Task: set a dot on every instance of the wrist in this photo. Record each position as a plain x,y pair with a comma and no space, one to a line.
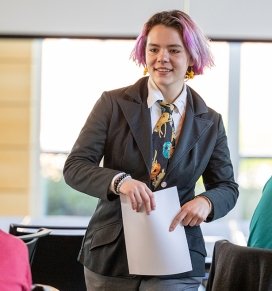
207,199
119,181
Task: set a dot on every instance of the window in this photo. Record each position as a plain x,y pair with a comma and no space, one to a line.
255,100
213,84
76,72
255,129
74,75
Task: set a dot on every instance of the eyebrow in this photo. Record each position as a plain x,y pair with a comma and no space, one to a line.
169,46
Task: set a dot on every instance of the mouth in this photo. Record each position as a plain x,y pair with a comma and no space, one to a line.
163,70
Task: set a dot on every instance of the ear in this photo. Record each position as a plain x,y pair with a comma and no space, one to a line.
191,63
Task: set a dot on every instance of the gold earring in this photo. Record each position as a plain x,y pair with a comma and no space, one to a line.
145,71
189,73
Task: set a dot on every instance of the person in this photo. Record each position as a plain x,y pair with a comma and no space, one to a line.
172,48
15,272
260,234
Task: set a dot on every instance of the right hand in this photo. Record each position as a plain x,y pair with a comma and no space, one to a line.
139,194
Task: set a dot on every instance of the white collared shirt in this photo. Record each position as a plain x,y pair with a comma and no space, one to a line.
154,94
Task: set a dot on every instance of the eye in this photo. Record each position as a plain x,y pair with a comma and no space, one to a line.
174,51
153,50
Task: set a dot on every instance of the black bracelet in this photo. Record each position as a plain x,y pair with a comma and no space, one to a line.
118,180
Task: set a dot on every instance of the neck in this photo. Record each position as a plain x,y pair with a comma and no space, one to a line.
170,94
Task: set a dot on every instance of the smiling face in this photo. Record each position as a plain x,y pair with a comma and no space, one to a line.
167,60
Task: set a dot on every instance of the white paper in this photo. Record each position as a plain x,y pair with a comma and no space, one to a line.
151,248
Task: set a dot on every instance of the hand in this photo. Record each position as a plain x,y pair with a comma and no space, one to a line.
140,195
192,213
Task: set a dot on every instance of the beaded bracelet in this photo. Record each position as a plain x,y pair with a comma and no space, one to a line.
119,181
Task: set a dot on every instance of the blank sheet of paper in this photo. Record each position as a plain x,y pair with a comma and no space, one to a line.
151,248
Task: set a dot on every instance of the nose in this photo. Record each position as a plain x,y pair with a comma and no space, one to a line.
163,56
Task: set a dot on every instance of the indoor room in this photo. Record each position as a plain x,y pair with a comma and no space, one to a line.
57,59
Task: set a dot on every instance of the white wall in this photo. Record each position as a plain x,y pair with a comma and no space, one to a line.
79,17
232,19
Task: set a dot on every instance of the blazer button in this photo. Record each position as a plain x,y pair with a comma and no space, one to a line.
163,184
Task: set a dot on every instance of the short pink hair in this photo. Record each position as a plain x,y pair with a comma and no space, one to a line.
195,42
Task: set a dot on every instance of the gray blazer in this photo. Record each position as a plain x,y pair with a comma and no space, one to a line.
119,130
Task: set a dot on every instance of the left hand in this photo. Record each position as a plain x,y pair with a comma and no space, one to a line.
192,213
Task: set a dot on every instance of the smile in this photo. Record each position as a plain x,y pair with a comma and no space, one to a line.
163,70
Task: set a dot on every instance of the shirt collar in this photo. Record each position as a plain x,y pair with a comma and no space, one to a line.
154,94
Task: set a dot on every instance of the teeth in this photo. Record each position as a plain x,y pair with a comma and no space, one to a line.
163,70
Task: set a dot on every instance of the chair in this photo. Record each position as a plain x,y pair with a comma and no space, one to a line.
55,259
31,240
239,268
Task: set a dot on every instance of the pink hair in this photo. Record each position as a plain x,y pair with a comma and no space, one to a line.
195,42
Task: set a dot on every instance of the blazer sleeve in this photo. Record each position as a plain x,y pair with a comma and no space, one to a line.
81,170
218,177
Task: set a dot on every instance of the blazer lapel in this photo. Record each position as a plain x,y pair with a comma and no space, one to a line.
138,117
193,127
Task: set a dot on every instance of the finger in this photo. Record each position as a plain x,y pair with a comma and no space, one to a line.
147,204
194,222
192,219
187,220
152,199
178,218
192,214
149,200
139,201
133,201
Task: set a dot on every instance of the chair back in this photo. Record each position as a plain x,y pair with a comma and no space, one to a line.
237,267
30,239
55,259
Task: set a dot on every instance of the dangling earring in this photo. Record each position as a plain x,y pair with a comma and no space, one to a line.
190,73
145,71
